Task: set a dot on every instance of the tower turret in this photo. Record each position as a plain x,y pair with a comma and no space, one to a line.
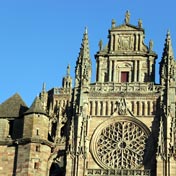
67,80
34,148
36,121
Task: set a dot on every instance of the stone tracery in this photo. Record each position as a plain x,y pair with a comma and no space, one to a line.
120,145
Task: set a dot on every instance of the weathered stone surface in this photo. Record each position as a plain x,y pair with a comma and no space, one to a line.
122,124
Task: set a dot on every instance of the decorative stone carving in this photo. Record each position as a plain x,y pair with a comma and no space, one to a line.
100,44
140,23
115,172
125,42
121,107
119,143
150,45
127,17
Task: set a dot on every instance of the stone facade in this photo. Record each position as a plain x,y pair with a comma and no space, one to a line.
122,124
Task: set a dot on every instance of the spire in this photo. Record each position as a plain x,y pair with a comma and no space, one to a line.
36,107
85,44
167,63
44,87
168,45
83,64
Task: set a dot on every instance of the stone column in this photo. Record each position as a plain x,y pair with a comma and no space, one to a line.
93,107
107,107
113,74
98,70
139,71
145,108
151,108
135,108
140,108
136,42
159,166
135,70
112,40
140,42
112,107
110,70
104,108
98,108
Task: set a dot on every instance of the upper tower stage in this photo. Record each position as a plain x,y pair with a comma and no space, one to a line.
126,58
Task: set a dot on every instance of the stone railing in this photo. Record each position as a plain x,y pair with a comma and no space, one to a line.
125,87
57,91
113,172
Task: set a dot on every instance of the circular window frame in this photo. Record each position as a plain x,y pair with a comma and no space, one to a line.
106,123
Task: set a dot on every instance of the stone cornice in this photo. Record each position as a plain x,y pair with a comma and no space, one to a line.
124,89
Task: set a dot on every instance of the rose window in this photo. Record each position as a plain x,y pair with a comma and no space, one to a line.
120,143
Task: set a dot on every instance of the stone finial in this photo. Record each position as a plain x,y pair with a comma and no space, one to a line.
140,23
100,44
68,70
113,24
168,34
44,87
86,30
150,45
127,17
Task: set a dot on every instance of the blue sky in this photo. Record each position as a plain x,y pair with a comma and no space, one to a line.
39,38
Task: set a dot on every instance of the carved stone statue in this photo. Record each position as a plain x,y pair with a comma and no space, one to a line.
113,23
127,17
100,44
121,106
140,23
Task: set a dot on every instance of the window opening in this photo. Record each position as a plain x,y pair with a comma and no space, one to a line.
124,76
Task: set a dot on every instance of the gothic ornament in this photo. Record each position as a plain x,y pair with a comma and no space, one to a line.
119,143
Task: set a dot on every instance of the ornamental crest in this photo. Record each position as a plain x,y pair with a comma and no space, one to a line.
125,42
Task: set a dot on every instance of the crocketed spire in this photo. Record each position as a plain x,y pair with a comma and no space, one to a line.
83,64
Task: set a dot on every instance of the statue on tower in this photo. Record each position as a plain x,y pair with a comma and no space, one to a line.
127,17
100,44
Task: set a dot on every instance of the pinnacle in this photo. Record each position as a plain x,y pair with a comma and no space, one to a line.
168,45
85,44
86,30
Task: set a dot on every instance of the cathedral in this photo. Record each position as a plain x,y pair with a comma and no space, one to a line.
123,124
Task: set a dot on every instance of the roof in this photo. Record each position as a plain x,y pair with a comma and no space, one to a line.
13,107
36,107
